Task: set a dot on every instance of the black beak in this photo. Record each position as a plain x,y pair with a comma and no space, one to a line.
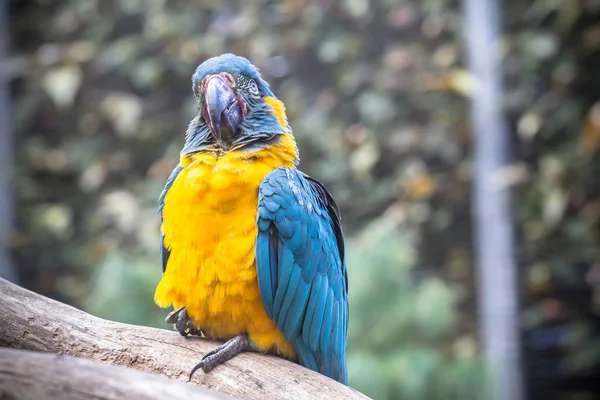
223,111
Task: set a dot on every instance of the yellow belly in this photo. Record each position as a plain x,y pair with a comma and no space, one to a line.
210,228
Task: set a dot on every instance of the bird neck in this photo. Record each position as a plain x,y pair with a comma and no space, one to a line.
283,152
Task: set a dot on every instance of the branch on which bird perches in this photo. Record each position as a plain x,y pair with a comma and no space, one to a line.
32,375
33,322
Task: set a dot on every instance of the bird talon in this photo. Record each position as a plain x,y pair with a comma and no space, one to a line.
222,353
173,315
213,352
182,323
181,320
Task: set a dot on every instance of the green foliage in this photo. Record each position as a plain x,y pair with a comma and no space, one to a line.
123,289
400,330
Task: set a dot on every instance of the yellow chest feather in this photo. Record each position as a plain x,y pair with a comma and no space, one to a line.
209,224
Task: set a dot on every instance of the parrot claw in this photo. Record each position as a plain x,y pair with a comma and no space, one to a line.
222,353
172,316
182,322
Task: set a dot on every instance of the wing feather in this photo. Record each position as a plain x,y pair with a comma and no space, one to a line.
301,268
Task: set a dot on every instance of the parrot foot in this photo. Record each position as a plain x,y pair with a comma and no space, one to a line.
182,322
222,353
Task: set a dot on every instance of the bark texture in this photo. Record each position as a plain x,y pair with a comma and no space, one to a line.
28,375
33,322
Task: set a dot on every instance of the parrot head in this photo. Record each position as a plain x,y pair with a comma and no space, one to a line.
236,108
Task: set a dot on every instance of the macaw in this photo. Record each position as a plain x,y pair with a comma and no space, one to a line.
252,249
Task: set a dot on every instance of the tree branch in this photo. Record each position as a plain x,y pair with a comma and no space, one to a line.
33,322
30,375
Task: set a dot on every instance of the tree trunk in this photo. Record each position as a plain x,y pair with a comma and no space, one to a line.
496,266
33,322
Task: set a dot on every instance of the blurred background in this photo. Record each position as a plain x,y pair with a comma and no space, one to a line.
378,95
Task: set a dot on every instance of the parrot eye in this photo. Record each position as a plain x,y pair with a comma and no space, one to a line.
253,86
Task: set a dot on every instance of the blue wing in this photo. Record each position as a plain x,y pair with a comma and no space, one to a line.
301,268
164,252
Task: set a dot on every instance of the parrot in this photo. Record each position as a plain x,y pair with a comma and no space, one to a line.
252,249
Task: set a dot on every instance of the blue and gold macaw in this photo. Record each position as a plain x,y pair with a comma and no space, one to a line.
251,248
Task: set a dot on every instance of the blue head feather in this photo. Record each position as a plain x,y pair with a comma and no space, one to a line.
234,65
260,128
